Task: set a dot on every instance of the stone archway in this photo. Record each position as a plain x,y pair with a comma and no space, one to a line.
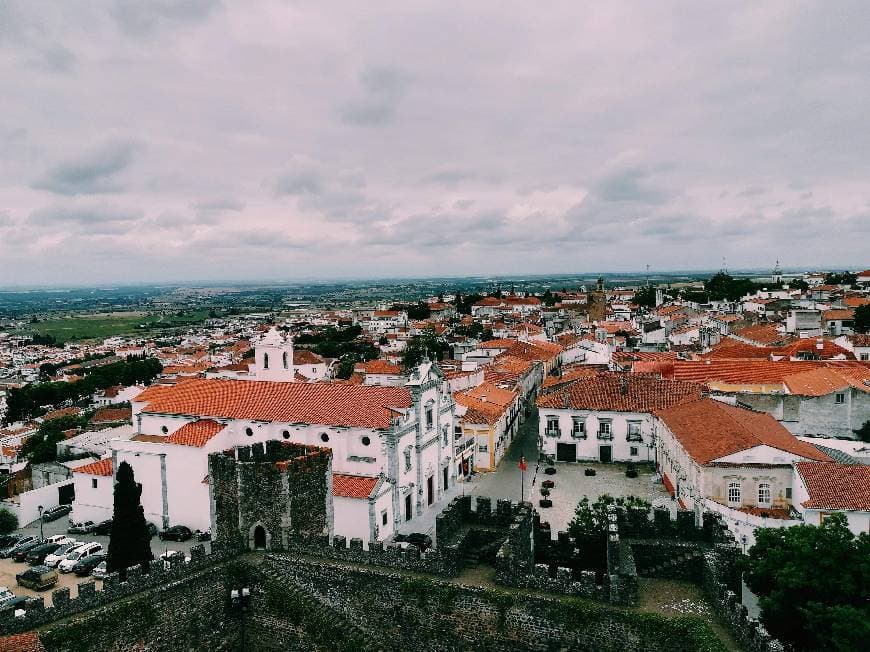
259,537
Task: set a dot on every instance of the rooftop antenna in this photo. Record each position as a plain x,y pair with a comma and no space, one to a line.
647,274
724,266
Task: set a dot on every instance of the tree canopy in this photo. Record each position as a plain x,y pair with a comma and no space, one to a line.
42,445
813,585
428,344
862,319
842,278
645,296
337,342
129,540
724,286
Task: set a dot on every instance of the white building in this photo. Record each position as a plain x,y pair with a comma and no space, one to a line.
395,437
822,489
607,417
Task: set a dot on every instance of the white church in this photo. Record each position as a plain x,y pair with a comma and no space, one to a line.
392,446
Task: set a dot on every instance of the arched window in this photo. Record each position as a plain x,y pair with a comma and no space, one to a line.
764,494
249,432
265,361
284,356
733,493
285,434
324,437
164,429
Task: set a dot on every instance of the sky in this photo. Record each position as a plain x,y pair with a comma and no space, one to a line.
175,140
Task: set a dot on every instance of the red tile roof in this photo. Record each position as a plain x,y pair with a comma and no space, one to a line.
709,429
316,403
27,642
379,367
100,467
304,356
762,333
352,486
810,346
836,486
110,415
196,433
621,392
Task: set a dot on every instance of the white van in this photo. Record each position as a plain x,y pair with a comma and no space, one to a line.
60,554
60,539
81,552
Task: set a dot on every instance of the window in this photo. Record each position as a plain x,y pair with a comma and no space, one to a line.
865,356
634,431
265,361
764,494
605,430
284,356
324,437
552,426
249,432
840,398
384,517
733,493
444,430
366,441
285,434
632,450
788,493
578,427
408,459
93,483
164,430
429,417
457,432
483,448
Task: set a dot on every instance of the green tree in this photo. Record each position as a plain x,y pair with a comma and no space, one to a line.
41,446
345,366
844,278
724,286
8,521
428,344
864,432
862,319
129,540
645,296
813,584
588,528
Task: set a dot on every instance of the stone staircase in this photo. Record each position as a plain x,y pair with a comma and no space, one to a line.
673,567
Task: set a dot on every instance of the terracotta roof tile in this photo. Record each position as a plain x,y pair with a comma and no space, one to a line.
352,486
621,392
196,433
836,486
710,429
27,642
100,467
317,403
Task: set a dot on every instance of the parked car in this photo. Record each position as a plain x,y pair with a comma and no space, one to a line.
202,535
54,558
13,604
55,513
37,578
418,539
100,570
74,556
7,540
5,594
37,555
172,555
176,533
22,551
104,528
86,565
85,527
60,539
12,548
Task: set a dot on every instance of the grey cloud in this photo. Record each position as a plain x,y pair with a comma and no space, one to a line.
631,184
84,215
142,18
95,172
751,191
377,102
220,204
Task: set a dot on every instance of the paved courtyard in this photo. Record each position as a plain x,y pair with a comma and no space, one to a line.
570,484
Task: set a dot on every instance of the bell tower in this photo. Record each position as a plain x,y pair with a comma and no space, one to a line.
273,356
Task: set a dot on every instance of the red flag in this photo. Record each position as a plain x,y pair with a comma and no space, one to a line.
523,465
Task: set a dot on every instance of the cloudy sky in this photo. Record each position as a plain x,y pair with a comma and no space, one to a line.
250,139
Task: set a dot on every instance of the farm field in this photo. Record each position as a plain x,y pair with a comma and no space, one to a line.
85,327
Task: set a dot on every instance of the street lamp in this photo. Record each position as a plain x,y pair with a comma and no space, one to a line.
240,601
39,507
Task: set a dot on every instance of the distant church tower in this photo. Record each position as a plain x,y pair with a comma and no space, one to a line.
777,274
273,356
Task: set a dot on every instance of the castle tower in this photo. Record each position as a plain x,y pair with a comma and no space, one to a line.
777,274
273,356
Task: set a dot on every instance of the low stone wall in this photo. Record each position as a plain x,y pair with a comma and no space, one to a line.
63,606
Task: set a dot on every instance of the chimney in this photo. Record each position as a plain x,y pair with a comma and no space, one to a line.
820,344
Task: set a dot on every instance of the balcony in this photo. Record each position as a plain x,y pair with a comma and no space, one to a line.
607,436
578,434
553,432
634,437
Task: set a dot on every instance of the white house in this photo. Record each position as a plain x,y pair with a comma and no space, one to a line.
824,488
607,417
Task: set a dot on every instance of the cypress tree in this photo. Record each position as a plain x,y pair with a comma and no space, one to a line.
129,540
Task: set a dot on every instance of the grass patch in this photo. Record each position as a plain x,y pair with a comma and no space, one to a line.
86,327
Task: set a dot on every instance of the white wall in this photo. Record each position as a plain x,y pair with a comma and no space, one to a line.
92,504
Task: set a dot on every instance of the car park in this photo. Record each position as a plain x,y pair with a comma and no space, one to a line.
37,578
22,551
171,555
176,533
12,548
57,556
55,513
60,539
67,563
7,540
104,528
85,527
86,565
37,555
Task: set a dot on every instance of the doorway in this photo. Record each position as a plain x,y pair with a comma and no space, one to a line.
259,538
430,490
605,453
444,471
66,494
566,452
408,507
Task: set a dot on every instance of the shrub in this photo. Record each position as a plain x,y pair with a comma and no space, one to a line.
8,521
545,491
